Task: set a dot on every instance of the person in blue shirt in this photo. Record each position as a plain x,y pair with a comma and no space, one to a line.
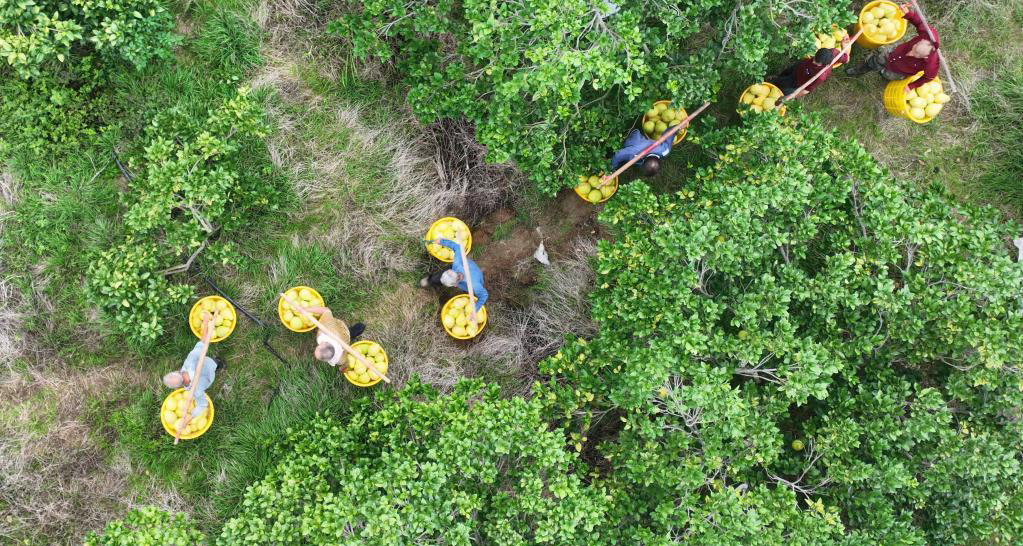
636,143
455,277
186,375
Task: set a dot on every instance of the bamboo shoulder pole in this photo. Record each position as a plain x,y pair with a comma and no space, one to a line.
348,348
190,395
821,72
468,285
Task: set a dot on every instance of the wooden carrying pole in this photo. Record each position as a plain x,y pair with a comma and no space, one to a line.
358,356
930,36
190,395
821,72
670,133
468,284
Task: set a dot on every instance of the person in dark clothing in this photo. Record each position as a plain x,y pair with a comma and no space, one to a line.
798,74
917,55
635,143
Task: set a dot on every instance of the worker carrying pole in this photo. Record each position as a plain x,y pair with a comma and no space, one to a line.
198,373
650,161
919,54
801,78
462,269
329,330
640,155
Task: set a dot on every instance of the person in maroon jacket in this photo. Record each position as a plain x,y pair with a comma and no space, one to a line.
796,75
916,55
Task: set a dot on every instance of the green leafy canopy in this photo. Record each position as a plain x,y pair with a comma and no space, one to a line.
417,467
190,188
550,83
791,291
38,35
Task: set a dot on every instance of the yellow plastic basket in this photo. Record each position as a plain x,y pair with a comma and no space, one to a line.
681,132
873,42
895,98
429,236
350,376
614,189
280,309
745,107
169,427
197,310
838,34
481,316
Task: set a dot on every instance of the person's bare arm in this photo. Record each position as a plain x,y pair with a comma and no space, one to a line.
207,330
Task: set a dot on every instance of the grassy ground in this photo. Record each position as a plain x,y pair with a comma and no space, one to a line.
366,184
78,424
974,148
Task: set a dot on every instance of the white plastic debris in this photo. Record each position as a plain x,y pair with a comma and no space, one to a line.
1017,242
541,255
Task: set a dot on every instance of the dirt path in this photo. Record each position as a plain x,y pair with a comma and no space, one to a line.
507,243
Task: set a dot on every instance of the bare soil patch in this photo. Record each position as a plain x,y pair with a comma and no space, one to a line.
507,258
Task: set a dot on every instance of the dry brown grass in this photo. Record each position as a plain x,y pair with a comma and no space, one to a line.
407,322
375,222
55,480
373,191
12,341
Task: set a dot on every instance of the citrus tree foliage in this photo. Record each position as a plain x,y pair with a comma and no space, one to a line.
191,186
147,526
792,291
37,34
551,84
415,467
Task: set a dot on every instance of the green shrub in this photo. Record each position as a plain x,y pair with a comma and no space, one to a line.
416,467
54,114
37,35
191,186
147,526
550,84
793,291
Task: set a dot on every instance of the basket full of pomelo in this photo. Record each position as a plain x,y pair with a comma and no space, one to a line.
455,318
452,229
589,188
290,317
919,105
358,373
224,323
660,117
173,409
762,97
882,23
